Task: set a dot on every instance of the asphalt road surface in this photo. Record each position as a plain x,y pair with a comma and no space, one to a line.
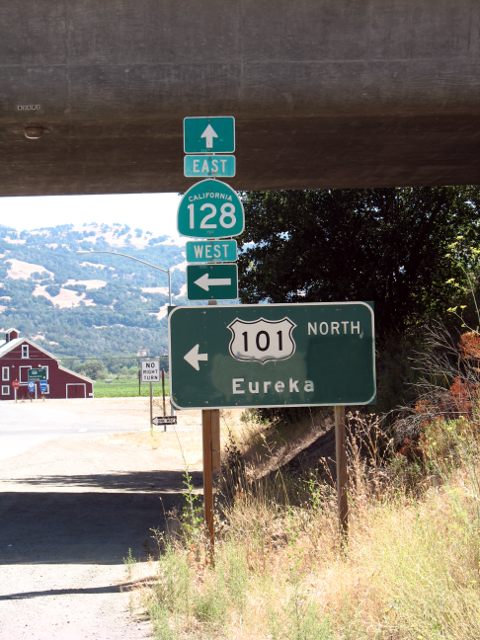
82,482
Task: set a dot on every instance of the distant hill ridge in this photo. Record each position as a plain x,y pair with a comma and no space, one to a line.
85,306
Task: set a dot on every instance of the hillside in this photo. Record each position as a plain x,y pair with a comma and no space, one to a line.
86,306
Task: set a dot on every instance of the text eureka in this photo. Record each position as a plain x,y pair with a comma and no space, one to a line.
240,386
334,328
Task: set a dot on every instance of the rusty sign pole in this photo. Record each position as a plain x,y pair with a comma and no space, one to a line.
208,504
215,441
342,473
211,464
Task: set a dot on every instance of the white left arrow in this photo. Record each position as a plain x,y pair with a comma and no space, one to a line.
209,134
194,357
205,282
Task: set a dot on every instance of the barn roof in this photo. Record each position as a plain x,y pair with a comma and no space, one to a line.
9,346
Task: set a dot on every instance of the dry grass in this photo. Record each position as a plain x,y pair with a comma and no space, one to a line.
411,570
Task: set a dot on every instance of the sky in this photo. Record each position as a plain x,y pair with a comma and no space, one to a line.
155,212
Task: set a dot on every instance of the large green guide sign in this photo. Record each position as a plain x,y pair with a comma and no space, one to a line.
275,355
37,373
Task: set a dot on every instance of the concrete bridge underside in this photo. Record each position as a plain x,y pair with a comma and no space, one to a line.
326,93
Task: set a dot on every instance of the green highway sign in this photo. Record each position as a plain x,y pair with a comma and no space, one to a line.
37,373
211,251
209,134
212,282
210,209
276,355
209,166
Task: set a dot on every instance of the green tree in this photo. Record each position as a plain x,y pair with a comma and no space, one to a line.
390,246
94,369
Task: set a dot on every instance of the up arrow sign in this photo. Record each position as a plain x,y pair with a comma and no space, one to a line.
209,134
194,357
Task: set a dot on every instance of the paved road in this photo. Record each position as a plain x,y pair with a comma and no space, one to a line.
26,424
81,483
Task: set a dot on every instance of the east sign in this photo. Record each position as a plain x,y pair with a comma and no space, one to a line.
210,209
272,355
209,166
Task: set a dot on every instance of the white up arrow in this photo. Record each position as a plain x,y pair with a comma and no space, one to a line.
194,357
209,134
205,282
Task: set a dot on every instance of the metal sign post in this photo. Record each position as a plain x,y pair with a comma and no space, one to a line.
163,394
15,385
151,405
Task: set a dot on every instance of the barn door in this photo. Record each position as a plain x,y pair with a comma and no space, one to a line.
76,390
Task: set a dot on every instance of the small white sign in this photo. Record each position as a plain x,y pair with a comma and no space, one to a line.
262,340
150,370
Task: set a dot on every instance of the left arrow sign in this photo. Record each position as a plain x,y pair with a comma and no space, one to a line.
212,281
194,357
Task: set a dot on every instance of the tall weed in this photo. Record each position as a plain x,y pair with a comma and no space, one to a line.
411,570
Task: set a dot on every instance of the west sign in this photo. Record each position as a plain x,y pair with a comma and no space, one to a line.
277,355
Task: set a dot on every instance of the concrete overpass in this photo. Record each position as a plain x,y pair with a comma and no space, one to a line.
337,93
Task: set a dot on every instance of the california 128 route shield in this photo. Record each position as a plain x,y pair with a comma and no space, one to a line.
210,209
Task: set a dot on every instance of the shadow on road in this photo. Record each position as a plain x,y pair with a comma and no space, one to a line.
125,586
149,481
88,527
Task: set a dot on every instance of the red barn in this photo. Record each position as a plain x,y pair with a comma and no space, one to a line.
18,356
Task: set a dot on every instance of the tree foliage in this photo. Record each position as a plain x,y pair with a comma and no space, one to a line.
390,246
408,250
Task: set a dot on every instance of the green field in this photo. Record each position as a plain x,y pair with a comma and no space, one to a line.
127,388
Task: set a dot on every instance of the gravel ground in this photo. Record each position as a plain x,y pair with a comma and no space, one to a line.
73,502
